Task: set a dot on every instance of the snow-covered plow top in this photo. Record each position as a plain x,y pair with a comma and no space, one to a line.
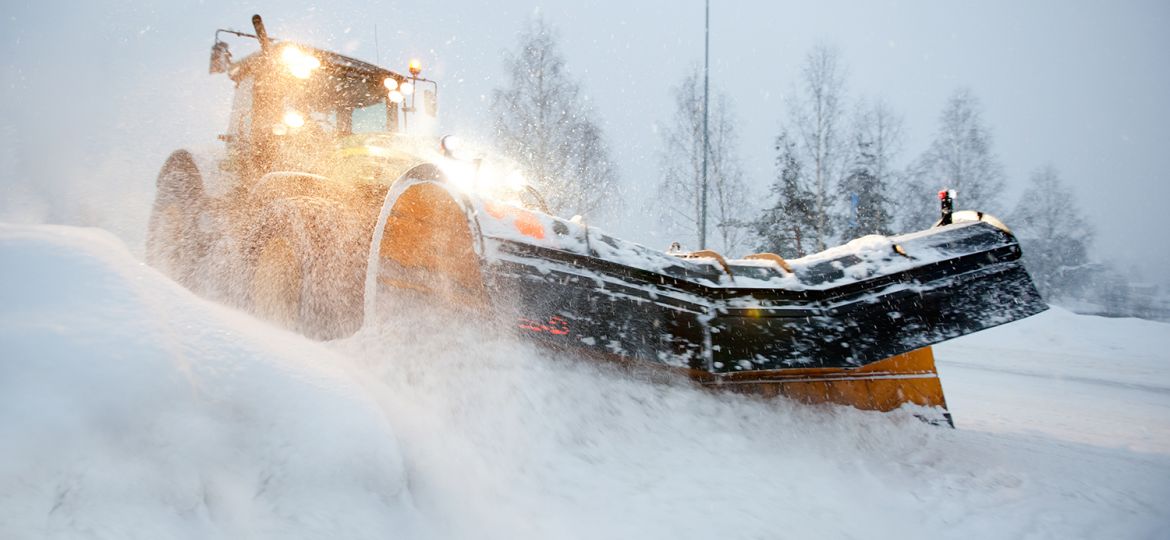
861,259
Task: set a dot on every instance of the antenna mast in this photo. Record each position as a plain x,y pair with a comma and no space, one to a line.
706,67
377,49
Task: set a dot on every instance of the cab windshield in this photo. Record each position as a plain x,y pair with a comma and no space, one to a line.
340,106
370,119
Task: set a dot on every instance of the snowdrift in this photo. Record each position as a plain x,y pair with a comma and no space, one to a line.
130,408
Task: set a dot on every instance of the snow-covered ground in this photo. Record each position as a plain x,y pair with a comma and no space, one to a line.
129,408
1093,380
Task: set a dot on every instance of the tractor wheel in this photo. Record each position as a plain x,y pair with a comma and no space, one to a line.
307,267
173,242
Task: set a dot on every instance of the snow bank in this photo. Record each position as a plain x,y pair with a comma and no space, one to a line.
129,408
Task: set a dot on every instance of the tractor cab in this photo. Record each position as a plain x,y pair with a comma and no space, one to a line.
298,108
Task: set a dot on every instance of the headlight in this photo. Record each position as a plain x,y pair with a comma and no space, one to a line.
406,88
293,119
299,63
390,83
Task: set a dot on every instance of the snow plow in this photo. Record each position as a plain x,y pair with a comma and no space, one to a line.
325,208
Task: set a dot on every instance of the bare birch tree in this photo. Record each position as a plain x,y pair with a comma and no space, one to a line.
816,119
543,121
959,158
680,190
1054,234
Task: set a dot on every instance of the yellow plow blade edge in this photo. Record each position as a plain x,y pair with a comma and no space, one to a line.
880,386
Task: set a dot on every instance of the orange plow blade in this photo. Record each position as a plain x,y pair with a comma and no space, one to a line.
880,386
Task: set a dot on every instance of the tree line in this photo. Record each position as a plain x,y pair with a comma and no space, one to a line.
839,168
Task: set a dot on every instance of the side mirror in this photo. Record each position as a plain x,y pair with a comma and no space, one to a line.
221,58
430,103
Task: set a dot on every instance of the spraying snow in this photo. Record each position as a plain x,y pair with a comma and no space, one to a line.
131,408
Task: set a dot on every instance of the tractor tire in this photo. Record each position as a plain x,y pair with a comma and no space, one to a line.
174,243
308,266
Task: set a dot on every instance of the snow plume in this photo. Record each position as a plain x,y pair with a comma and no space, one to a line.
91,158
520,444
130,408
21,203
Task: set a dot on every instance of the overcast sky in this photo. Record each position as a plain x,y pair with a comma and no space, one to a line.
96,96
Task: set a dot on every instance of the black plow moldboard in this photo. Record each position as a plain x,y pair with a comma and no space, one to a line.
968,278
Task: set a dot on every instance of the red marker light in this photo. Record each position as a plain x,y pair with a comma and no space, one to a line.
942,194
556,326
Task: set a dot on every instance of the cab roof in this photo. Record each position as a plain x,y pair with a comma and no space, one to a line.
361,82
